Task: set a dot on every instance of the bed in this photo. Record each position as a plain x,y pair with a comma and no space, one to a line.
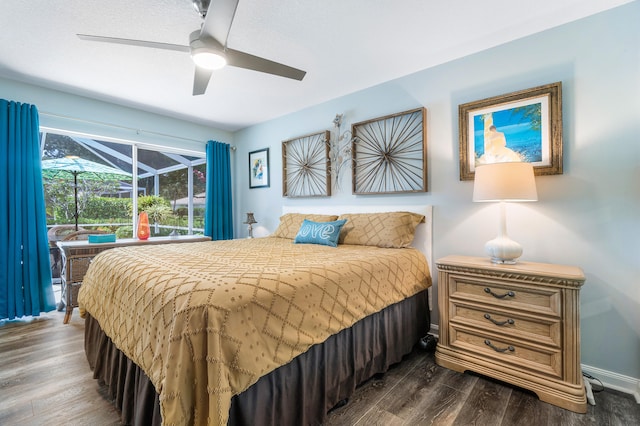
260,331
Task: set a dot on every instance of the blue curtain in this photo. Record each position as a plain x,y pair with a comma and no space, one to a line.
25,270
218,219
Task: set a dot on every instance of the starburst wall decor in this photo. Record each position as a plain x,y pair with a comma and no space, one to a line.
389,154
305,166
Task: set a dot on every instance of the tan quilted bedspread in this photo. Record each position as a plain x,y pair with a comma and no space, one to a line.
206,320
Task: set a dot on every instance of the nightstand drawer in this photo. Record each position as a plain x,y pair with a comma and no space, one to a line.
505,295
502,350
537,330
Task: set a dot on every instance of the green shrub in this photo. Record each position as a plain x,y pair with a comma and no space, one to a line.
148,201
124,232
158,213
104,208
182,212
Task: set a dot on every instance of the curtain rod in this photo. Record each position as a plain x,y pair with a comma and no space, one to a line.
115,126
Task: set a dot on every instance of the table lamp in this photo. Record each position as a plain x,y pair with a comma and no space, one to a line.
504,182
250,221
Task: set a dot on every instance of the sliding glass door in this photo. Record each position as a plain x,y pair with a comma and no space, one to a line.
106,184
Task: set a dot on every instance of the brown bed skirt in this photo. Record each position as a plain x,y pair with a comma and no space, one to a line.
298,393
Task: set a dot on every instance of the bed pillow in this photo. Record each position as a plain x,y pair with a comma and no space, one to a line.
290,223
392,229
323,233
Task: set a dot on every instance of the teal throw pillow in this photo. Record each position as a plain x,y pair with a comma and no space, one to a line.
323,233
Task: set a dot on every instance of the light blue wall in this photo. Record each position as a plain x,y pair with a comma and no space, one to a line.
61,110
589,216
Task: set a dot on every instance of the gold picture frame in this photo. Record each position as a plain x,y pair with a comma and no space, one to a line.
305,166
389,154
519,126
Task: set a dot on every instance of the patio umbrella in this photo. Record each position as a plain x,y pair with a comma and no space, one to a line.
61,168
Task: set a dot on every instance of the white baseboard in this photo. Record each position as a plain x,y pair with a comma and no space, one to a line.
435,330
615,381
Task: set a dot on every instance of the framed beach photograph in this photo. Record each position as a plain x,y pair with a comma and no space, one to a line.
519,126
259,168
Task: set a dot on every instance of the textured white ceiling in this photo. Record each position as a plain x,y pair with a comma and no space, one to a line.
344,45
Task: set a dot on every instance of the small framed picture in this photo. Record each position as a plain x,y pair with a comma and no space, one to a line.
520,126
259,168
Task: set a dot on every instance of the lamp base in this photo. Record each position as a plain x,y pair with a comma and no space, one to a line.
498,261
503,250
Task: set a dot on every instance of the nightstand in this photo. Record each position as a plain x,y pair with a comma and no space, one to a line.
516,323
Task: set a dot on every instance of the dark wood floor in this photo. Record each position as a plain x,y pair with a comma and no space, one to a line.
45,380
419,392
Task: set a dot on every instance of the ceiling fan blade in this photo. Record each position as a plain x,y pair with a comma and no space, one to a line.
201,81
131,42
218,21
239,59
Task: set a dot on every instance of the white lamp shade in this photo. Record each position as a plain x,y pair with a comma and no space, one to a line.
505,182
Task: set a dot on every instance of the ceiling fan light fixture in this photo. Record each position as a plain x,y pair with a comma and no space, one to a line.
208,59
206,53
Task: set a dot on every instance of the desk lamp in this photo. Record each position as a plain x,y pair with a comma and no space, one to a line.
250,221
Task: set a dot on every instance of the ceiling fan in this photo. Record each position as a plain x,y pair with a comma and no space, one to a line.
208,46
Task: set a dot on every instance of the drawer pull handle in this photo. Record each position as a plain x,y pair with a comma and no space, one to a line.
499,296
501,323
491,345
